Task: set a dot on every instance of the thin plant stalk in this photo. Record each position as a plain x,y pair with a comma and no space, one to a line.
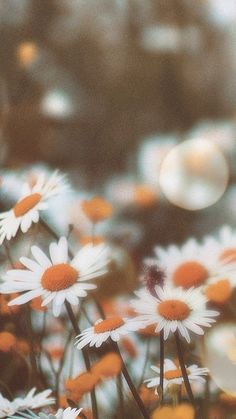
120,389
183,369
161,365
131,385
85,356
148,346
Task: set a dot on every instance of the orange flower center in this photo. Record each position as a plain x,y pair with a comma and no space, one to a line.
190,274
26,204
228,255
170,375
220,292
108,325
173,310
59,277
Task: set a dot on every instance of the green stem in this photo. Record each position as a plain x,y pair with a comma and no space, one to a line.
85,356
131,384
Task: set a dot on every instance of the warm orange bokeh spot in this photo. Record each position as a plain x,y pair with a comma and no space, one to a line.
5,309
220,292
81,385
27,52
148,331
108,366
228,399
36,304
90,239
22,346
144,196
129,347
7,341
97,209
182,411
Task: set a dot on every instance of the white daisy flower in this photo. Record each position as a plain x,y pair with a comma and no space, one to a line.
224,245
173,375
56,279
193,265
174,309
30,401
114,327
67,413
33,200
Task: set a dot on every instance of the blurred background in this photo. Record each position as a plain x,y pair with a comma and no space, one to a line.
135,99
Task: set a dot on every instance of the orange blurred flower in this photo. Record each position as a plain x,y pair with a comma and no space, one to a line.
7,341
148,331
55,352
228,399
81,385
22,347
147,395
97,209
63,401
36,304
90,239
27,53
4,307
182,411
144,195
129,347
108,366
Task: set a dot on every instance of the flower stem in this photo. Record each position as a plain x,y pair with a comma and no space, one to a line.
148,345
85,356
161,365
183,369
131,384
119,384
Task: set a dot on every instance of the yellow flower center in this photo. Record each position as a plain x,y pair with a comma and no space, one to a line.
26,204
59,277
108,325
228,255
173,310
220,292
172,374
190,274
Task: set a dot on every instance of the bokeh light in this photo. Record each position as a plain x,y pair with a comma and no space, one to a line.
194,175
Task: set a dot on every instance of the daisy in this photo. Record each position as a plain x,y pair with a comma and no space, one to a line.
174,309
31,401
225,244
193,265
56,279
173,375
112,327
33,200
67,413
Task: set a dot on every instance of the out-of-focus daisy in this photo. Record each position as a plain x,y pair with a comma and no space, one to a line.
68,413
113,327
226,244
97,209
56,278
33,200
173,375
174,309
31,401
108,366
193,265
